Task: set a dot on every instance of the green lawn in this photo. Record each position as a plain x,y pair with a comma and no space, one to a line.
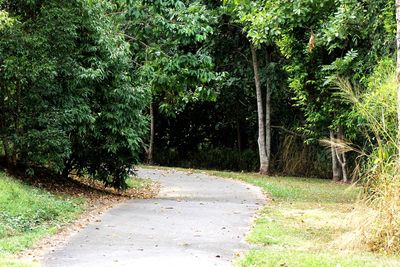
27,214
307,222
138,183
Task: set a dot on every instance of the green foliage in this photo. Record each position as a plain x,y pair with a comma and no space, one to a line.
324,40
67,90
321,40
229,123
5,20
375,113
171,59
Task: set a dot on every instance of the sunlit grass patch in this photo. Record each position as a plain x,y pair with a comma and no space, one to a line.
289,258
27,214
299,189
306,222
305,228
138,183
10,262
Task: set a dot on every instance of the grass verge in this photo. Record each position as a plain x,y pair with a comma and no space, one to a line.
307,222
31,214
27,214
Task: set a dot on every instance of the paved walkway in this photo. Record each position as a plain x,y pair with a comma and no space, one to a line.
197,220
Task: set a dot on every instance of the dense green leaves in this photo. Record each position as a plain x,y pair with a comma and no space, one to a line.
77,76
321,40
168,44
67,91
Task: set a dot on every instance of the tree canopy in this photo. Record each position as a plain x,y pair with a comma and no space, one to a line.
82,81
68,100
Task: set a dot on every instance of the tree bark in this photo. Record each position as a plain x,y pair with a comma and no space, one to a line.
6,149
67,169
398,76
336,175
239,135
150,152
344,168
268,114
260,112
342,157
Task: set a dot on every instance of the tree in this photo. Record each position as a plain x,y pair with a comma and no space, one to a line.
320,41
168,44
67,90
264,155
238,8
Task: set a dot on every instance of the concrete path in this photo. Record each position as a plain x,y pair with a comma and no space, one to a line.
197,220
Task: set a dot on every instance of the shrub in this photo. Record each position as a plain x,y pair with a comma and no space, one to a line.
375,114
68,100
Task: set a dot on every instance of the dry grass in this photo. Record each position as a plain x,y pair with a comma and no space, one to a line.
297,158
379,170
382,228
307,222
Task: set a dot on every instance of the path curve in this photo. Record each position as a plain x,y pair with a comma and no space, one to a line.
196,220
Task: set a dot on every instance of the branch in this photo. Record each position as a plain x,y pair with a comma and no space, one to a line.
135,39
289,131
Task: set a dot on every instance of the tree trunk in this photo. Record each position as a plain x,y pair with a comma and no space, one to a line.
151,142
339,160
6,149
67,169
398,75
239,135
268,114
344,168
260,112
342,157
336,176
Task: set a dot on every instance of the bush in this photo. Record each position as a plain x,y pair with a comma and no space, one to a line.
375,113
68,100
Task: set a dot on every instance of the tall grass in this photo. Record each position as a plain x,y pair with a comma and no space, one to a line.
295,158
374,111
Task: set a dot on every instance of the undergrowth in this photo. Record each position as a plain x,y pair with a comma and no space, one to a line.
375,112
